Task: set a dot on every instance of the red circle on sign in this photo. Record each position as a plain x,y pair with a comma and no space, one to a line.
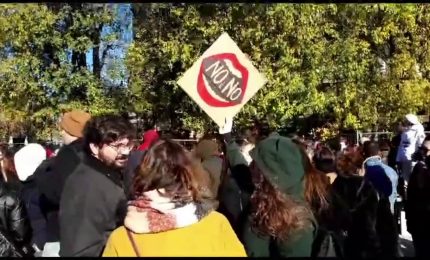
202,88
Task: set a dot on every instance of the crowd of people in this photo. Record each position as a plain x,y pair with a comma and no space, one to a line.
248,193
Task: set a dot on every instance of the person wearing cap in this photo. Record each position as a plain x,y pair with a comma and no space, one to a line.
56,171
277,222
412,138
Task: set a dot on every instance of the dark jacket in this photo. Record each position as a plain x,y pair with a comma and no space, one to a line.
359,219
234,194
51,179
31,197
14,223
417,206
392,154
134,161
66,161
92,205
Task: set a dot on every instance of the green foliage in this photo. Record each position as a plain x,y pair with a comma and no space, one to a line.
319,60
38,81
339,65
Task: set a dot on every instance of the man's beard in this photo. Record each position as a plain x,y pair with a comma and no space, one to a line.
121,157
114,163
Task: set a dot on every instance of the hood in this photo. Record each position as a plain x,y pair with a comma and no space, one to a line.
28,159
149,137
281,162
413,119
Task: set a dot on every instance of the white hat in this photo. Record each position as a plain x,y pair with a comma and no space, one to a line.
413,119
27,159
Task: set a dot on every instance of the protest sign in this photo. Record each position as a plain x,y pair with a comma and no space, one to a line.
222,80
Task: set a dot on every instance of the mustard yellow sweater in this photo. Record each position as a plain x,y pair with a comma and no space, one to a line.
212,236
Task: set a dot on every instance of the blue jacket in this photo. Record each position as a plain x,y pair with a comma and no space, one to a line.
383,177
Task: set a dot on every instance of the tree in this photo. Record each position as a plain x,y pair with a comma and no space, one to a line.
356,66
43,64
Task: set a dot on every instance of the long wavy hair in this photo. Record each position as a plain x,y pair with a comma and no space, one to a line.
167,165
272,212
316,182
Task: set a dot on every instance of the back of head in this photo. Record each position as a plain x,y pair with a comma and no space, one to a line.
206,148
350,164
325,160
167,165
260,129
278,177
281,161
370,148
27,159
73,123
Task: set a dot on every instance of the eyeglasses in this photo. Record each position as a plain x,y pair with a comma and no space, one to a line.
124,148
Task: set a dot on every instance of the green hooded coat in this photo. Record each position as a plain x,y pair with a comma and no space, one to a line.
281,162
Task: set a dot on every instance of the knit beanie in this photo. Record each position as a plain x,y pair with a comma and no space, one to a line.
27,159
74,122
281,162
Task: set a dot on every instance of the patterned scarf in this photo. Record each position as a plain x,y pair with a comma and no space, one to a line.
154,213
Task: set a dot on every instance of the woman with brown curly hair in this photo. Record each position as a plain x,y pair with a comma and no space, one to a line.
169,215
279,222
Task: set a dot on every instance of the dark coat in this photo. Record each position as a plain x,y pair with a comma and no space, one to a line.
31,197
417,205
51,177
359,220
134,161
392,154
93,204
14,223
234,194
66,161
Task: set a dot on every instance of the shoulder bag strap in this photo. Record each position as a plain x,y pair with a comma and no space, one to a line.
133,243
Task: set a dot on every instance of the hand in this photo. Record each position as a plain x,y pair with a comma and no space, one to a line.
228,125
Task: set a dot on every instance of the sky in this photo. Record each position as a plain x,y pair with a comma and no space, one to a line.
125,18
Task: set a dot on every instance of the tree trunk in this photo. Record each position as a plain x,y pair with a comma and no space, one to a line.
97,62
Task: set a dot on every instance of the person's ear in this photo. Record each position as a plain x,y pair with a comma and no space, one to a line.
95,149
